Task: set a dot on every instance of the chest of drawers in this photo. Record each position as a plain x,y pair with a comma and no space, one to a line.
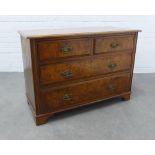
68,68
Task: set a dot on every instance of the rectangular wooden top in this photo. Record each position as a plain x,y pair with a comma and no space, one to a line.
42,33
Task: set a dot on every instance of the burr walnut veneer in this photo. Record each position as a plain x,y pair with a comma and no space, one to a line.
68,68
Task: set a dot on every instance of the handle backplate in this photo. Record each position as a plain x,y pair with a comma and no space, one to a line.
112,66
114,45
111,88
66,50
67,97
67,74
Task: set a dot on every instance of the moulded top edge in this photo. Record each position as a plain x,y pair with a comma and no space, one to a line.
41,33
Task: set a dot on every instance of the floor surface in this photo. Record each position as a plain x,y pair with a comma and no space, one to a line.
112,119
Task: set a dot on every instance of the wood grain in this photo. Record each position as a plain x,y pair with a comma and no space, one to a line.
93,69
28,73
115,43
55,73
85,92
74,47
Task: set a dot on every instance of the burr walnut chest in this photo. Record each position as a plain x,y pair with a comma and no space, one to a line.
68,68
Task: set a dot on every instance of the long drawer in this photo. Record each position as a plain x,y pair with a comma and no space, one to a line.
80,93
71,70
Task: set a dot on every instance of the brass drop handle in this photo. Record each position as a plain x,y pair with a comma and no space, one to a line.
67,74
66,50
111,88
112,65
67,97
114,45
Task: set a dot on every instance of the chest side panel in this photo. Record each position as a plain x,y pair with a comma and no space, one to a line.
28,73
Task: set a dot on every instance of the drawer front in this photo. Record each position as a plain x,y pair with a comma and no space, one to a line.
72,70
108,44
64,48
85,92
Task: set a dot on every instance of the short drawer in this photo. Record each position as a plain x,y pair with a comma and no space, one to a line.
72,70
89,91
64,48
115,43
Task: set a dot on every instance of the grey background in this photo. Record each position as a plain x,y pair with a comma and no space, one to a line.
111,119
